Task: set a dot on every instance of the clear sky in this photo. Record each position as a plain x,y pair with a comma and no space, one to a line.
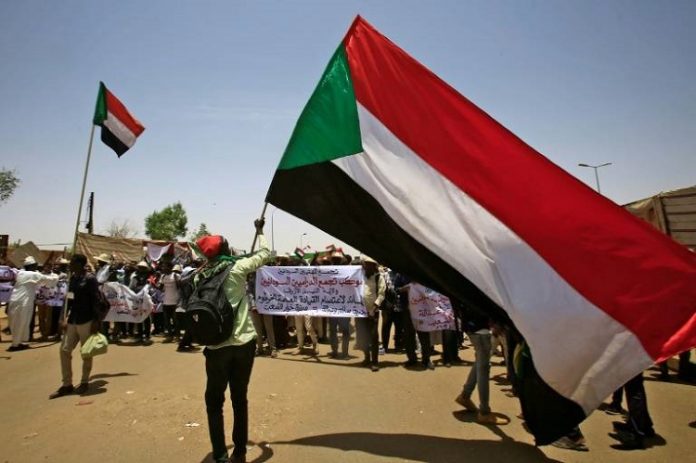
220,84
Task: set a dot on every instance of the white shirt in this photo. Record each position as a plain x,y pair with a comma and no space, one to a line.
171,292
25,286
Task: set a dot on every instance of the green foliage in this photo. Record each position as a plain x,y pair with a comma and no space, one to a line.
8,184
200,233
167,224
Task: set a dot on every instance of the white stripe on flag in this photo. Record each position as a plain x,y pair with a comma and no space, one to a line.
119,130
156,251
578,349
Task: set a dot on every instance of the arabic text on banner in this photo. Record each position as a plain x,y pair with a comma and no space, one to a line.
430,310
324,291
126,306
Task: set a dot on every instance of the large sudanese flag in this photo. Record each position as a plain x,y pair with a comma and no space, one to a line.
119,129
393,161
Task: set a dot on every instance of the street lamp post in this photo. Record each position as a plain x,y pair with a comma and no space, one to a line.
595,172
303,234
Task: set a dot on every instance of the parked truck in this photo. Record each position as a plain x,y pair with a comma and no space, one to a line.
671,212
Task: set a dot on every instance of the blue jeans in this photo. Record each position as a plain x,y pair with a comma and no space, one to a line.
480,371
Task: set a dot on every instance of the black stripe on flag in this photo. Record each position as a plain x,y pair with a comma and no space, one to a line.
112,141
324,196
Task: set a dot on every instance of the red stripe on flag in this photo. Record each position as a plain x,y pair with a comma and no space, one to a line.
622,265
115,107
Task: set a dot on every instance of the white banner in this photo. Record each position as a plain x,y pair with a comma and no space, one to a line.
156,251
56,297
5,292
430,310
324,291
126,306
7,275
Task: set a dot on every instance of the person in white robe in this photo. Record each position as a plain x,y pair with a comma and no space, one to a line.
21,307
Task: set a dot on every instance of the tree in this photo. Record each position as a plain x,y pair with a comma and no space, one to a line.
8,184
167,224
202,231
121,230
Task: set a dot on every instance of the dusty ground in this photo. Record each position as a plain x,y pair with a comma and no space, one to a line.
302,409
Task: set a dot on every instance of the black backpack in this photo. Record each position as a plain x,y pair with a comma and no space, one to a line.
208,315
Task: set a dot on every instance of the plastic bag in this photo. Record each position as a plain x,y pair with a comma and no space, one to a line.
96,344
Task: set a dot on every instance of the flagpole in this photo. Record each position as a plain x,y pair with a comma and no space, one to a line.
79,213
256,234
84,184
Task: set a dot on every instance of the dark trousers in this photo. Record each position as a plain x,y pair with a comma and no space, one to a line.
686,368
617,397
55,324
450,348
145,328
280,330
171,327
158,322
32,323
228,366
389,318
121,329
371,351
341,324
410,340
638,415
512,341
187,339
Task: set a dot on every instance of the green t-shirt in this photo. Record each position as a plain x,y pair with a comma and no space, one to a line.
235,290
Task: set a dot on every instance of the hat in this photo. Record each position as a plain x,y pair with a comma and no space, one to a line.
29,260
210,245
176,268
142,263
368,260
103,257
337,257
63,261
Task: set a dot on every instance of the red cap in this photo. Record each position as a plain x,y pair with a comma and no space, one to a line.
210,245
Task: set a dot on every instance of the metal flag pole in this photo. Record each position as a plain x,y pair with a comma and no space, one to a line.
84,184
256,234
79,215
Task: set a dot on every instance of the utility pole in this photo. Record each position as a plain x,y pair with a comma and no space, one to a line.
90,221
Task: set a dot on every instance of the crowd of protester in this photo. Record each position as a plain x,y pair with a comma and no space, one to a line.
38,294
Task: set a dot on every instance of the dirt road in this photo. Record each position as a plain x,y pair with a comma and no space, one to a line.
302,409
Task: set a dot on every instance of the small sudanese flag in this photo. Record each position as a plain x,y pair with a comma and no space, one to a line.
119,129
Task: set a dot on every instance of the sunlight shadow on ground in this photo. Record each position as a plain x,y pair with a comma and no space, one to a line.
112,375
266,453
95,388
323,360
470,417
424,448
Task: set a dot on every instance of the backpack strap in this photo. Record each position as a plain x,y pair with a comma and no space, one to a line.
223,270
